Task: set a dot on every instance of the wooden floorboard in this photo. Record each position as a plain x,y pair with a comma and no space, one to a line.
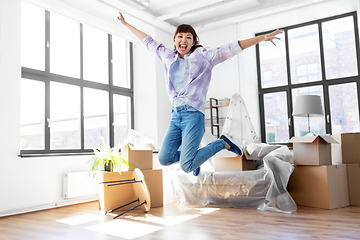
85,221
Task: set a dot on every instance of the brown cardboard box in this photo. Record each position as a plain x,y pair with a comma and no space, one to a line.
141,159
353,175
320,186
111,197
234,164
312,150
348,149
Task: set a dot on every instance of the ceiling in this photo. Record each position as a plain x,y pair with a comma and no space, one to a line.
201,14
198,12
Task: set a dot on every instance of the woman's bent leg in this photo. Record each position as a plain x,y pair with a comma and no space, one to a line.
191,156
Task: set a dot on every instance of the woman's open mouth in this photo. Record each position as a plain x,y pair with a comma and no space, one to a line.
183,47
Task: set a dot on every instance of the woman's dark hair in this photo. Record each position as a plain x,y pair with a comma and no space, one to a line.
186,28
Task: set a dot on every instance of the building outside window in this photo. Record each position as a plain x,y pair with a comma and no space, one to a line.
321,58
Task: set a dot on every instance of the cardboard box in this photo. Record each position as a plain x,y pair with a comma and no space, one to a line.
312,150
140,158
234,164
353,176
320,186
111,197
154,181
348,149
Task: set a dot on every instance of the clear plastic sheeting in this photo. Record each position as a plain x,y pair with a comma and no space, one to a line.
264,188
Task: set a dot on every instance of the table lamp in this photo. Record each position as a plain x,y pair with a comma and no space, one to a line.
308,106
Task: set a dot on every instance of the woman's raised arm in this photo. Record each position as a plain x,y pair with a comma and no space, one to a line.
139,34
267,37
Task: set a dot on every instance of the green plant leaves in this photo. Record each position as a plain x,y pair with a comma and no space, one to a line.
107,156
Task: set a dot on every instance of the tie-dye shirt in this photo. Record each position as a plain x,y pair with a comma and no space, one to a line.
198,68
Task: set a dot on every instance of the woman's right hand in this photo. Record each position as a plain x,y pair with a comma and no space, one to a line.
139,34
121,18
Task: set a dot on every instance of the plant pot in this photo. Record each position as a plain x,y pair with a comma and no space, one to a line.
109,167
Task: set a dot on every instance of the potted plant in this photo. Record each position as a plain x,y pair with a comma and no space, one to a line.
107,159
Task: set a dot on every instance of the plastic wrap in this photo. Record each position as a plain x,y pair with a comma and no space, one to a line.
264,188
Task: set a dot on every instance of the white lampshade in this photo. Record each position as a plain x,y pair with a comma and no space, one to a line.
308,106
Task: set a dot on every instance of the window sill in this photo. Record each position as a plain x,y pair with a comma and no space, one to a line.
32,155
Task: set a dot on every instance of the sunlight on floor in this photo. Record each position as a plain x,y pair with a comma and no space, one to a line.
80,219
132,226
164,221
206,210
124,229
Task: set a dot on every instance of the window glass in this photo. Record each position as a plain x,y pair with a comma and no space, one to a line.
32,36
122,118
339,48
304,52
276,118
32,114
64,46
95,58
317,124
96,117
64,116
307,72
344,108
65,90
120,62
273,63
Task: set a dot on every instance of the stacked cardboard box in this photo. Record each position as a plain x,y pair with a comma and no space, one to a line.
348,152
315,182
139,157
112,197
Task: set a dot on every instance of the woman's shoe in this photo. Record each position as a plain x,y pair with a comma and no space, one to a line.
196,171
233,146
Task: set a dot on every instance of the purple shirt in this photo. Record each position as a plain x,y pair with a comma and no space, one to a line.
198,68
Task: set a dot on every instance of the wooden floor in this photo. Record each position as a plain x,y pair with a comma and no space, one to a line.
85,221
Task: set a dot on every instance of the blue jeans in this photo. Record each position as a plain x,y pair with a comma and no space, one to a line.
186,129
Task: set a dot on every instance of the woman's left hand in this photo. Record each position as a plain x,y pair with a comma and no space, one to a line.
271,36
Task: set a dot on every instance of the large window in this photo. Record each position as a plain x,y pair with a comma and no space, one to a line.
76,85
320,58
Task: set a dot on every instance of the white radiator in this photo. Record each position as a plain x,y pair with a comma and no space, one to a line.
80,184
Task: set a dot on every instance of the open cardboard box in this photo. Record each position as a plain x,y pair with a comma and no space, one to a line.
138,155
312,150
226,161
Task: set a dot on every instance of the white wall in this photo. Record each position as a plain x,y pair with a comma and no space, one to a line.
225,76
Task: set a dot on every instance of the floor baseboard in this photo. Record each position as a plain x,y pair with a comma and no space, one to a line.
60,203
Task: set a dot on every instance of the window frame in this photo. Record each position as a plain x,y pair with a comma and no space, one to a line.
47,77
324,82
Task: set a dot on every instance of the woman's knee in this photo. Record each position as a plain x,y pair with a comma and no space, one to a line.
186,167
164,159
